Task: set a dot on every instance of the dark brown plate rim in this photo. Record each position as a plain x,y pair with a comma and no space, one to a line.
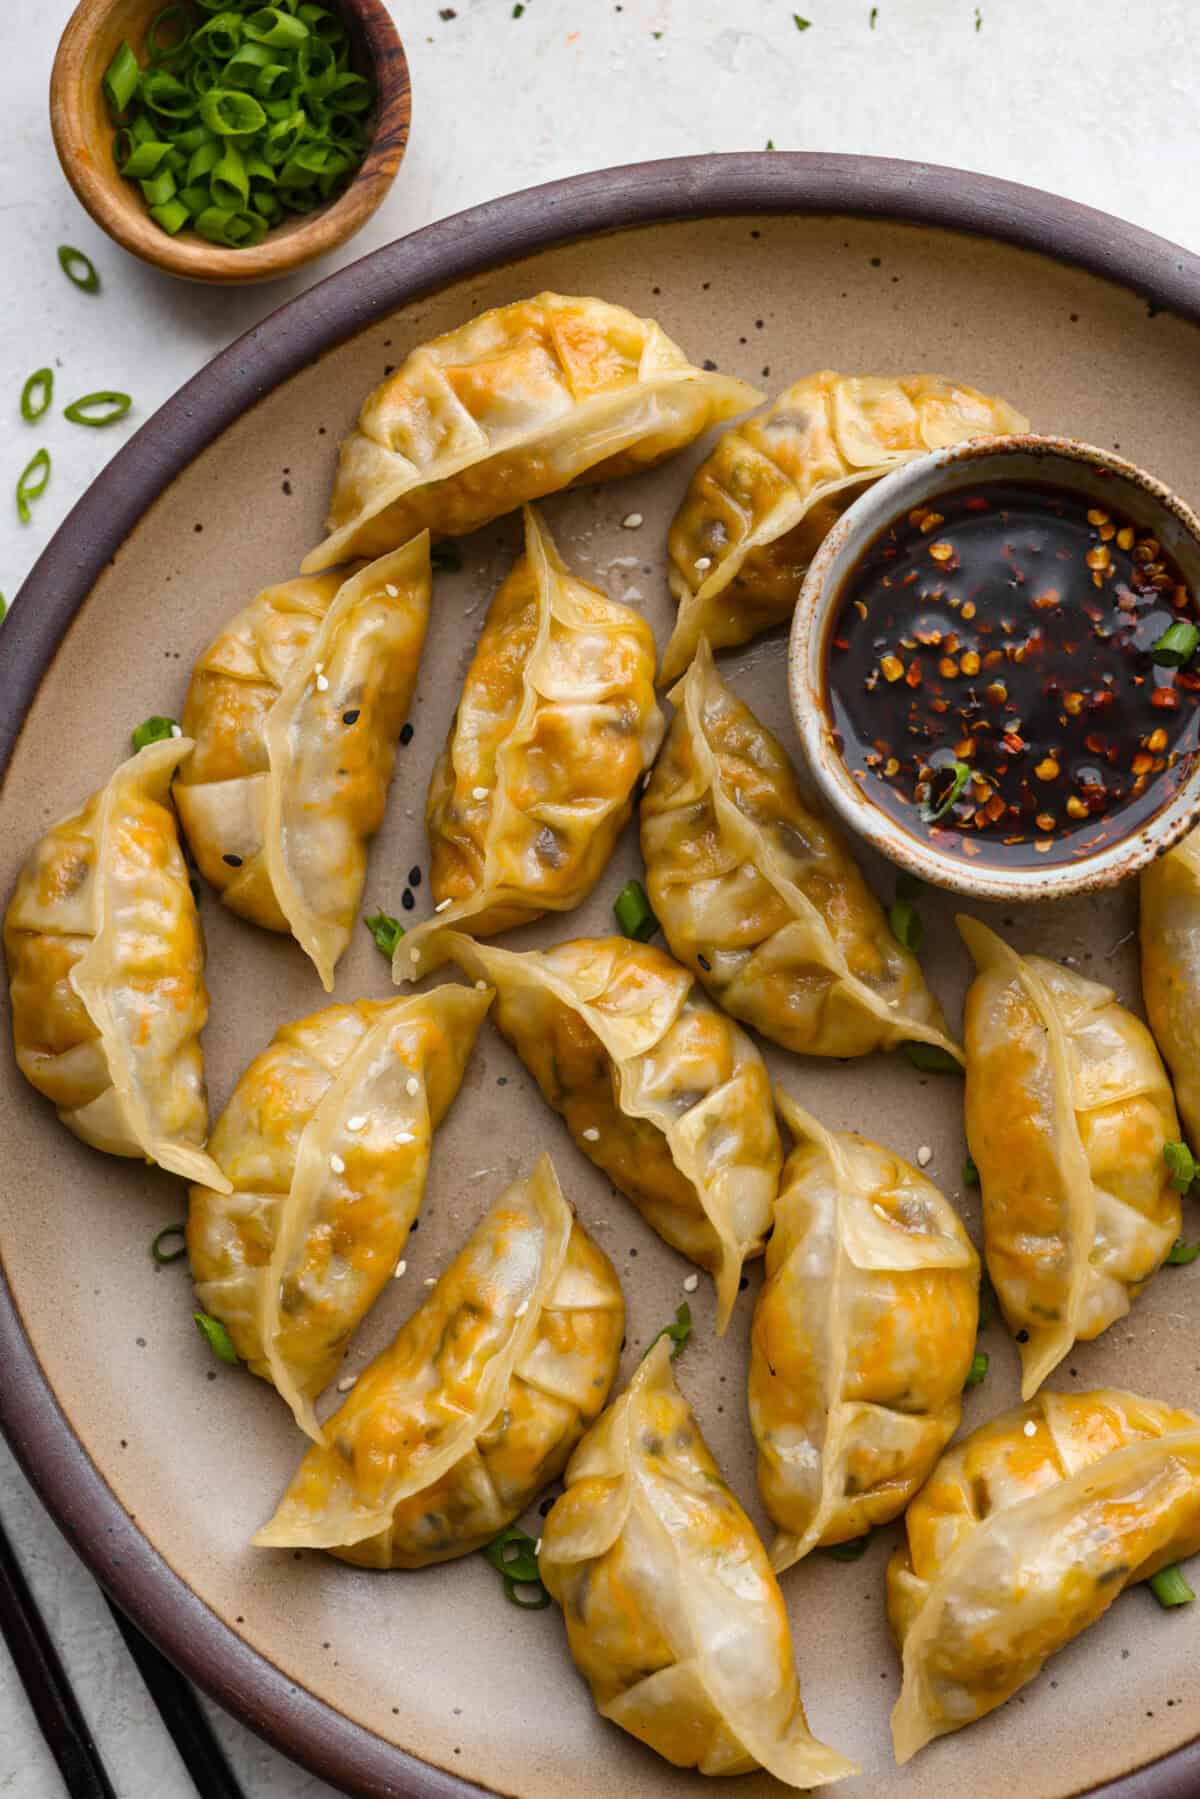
500,231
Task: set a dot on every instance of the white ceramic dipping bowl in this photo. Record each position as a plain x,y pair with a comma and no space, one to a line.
1109,481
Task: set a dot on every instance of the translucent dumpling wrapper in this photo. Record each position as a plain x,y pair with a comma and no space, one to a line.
518,403
1068,1109
1170,936
557,723
757,510
452,1432
1023,1537
296,708
106,971
326,1141
673,1615
863,1337
660,1090
760,897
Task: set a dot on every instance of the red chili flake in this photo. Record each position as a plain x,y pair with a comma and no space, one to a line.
1013,742
976,503
912,674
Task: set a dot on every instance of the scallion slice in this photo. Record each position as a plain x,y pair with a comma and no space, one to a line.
931,1058
679,1332
36,395
514,1555
32,483
78,268
1181,1254
931,813
162,1256
216,1336
977,1372
121,79
1170,1588
271,25
851,1551
387,932
154,730
1177,645
633,913
906,924
98,410
970,1173
1182,1164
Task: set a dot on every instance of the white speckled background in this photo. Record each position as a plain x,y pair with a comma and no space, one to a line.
1089,98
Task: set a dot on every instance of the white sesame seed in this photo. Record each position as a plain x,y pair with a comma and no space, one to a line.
442,904
537,1548
429,1281
632,520
691,1283
924,1156
412,1086
479,793
344,1386
522,1309
703,562
177,730
591,1135
405,1137
401,1269
1029,1427
336,1163
322,683
357,1122
481,986
317,667
393,593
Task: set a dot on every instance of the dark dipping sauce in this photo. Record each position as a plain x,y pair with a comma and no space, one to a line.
1010,630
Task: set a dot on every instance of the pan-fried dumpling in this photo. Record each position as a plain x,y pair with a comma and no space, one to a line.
1068,1108
454,1430
1025,1534
656,1087
557,723
326,1141
863,1337
756,511
518,403
759,896
673,1615
1170,934
295,709
106,971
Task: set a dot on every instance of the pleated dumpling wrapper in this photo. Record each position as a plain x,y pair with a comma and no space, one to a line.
1170,937
863,1337
517,403
557,723
106,972
296,708
1068,1110
657,1088
757,510
327,1142
452,1432
673,1615
760,897
1024,1535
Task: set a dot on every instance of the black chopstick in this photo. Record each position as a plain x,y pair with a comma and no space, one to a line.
180,1711
44,1678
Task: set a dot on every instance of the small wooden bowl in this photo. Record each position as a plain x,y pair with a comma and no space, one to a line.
84,133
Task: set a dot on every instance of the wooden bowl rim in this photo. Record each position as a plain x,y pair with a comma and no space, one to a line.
454,249
111,203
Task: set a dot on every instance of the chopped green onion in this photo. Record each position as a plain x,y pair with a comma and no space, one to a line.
970,1173
163,94
121,79
3,608
1170,1588
221,36
931,1058
977,1373
175,17
931,813
231,113
78,268
143,160
172,215
271,25
633,913
154,730
36,395
32,484
230,182
906,924
679,1332
216,1336
1177,645
514,1555
387,932
98,410
851,1551
159,189
164,1257
1181,1253
1182,1164
799,23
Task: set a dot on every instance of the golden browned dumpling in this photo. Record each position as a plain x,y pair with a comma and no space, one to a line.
673,1615
455,1429
106,972
557,723
760,897
757,509
326,1142
863,1337
1068,1108
1170,935
1024,1535
515,404
295,709
660,1090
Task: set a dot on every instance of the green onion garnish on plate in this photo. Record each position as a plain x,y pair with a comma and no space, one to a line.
1182,1164
154,730
36,395
1177,645
387,932
633,913
514,1555
78,269
977,1372
1170,1588
164,1256
931,1058
32,483
216,1336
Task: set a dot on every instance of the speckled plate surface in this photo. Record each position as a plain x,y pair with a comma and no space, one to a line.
160,1464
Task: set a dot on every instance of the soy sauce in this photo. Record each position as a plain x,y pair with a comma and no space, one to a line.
992,678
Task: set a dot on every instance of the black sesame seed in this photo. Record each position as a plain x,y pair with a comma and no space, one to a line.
1022,1336
351,717
709,364
705,964
743,1283
502,1080
406,735
414,876
233,861
407,900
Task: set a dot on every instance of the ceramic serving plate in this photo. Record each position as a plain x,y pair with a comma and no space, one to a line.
160,1462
